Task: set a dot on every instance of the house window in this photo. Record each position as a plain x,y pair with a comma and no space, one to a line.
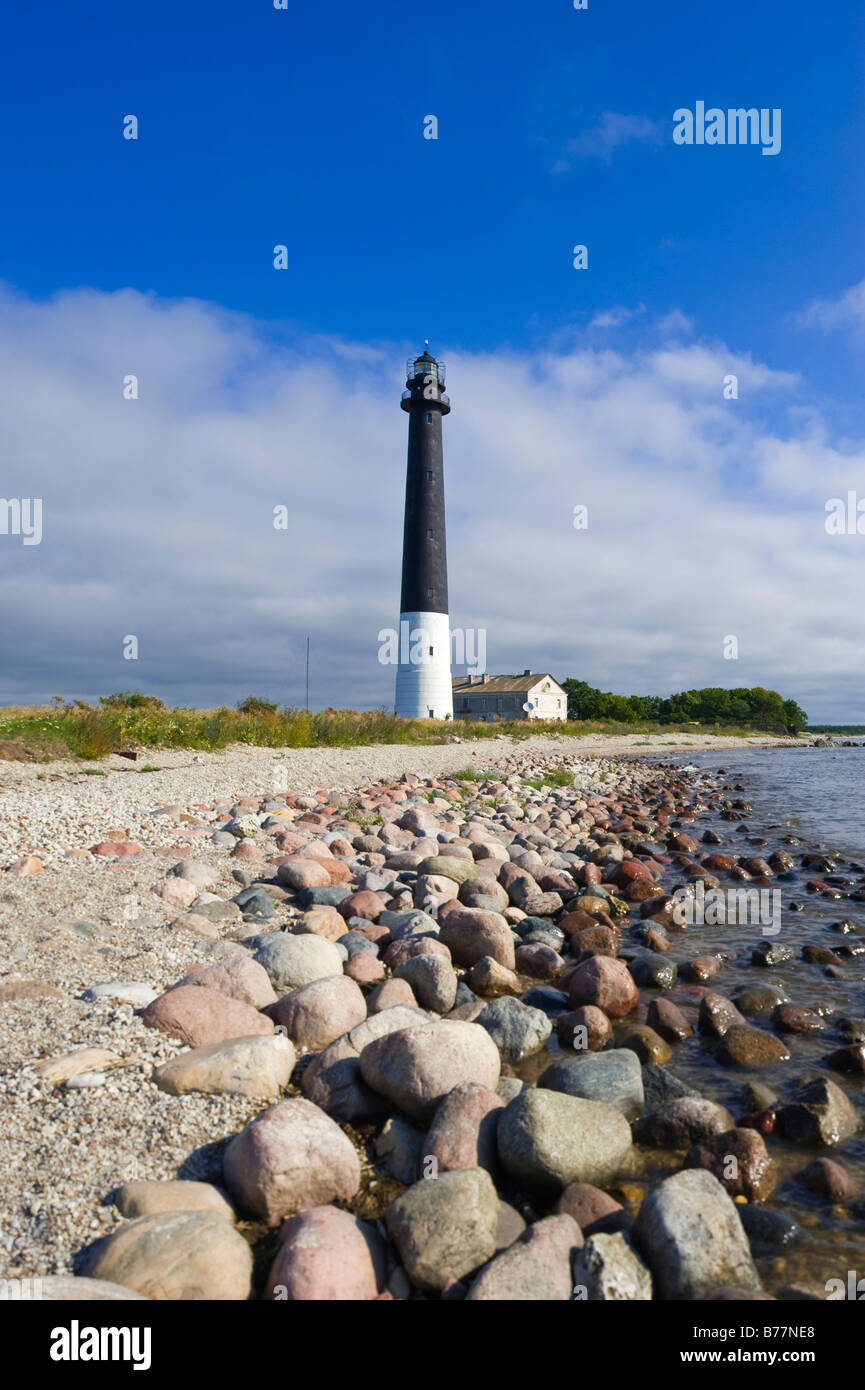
430,651
500,704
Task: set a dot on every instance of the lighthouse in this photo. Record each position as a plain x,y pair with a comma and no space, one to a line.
423,678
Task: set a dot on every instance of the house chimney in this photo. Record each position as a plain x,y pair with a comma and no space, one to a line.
527,673
485,677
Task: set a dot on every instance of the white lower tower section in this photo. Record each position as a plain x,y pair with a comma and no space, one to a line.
423,678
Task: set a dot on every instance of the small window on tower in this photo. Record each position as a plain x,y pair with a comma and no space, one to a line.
429,419
430,651
429,534
429,593
429,475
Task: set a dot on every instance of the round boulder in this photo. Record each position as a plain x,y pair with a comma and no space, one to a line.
290,1158
548,1140
415,1068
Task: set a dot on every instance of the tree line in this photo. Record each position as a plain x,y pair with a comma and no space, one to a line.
755,708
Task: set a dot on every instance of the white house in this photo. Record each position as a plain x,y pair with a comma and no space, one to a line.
486,698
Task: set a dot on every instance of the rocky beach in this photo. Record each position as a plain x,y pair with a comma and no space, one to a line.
309,1026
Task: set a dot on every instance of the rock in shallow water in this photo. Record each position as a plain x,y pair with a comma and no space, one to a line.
820,1112
681,1122
605,983
689,1232
767,1231
610,1271
739,1160
743,1046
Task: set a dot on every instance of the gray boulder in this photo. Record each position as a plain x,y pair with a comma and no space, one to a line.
445,1227
433,981
689,1232
292,961
613,1077
548,1140
609,1270
516,1029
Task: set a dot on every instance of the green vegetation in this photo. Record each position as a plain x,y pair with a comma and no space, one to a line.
559,777
750,709
858,729
130,723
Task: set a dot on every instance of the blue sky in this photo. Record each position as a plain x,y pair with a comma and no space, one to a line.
304,127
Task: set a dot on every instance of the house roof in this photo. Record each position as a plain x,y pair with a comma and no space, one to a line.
500,685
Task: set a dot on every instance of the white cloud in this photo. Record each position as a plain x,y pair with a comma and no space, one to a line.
613,130
675,324
616,317
835,311
704,521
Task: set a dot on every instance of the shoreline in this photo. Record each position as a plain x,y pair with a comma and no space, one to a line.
70,806
93,919
450,756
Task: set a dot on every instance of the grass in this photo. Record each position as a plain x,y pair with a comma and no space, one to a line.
46,733
560,777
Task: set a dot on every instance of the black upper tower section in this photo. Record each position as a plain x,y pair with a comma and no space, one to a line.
424,549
